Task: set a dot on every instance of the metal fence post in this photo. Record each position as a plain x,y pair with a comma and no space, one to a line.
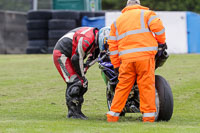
34,4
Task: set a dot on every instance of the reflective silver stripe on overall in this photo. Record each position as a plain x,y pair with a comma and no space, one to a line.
132,32
114,38
138,50
113,113
160,32
142,19
114,52
149,22
151,19
148,114
117,34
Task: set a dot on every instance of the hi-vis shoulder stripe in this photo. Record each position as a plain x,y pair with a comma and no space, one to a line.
117,34
118,37
113,113
137,50
149,22
151,19
142,19
142,30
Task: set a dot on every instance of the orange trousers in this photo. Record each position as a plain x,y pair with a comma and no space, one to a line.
143,72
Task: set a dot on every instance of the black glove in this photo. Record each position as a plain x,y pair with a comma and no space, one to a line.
85,68
84,82
161,48
116,70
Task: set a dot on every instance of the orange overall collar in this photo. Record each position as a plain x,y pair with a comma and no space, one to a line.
134,7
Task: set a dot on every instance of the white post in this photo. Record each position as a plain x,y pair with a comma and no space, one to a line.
35,4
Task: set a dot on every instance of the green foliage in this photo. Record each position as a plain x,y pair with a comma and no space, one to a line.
15,5
113,4
23,5
158,5
32,98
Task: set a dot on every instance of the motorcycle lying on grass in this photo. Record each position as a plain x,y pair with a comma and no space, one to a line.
164,97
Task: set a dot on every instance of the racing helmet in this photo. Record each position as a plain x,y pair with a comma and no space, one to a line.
103,37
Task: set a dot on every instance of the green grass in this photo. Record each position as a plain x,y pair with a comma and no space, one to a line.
32,98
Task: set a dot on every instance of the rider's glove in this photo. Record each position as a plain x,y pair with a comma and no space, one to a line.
84,82
85,68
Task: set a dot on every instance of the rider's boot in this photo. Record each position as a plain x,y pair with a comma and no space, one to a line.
80,106
74,102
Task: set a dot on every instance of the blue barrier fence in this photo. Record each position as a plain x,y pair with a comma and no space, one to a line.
98,22
193,32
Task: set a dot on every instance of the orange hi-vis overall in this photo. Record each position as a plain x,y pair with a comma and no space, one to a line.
133,43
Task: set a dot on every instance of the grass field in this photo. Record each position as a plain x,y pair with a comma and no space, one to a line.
32,99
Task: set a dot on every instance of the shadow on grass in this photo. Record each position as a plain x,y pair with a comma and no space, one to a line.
129,118
62,117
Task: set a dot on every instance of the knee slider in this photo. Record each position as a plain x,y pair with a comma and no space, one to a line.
74,91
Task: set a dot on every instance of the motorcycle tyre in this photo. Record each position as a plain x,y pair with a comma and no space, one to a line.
165,99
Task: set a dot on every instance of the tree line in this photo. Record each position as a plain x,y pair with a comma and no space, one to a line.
157,5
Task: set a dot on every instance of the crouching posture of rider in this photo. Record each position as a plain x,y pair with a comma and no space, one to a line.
68,55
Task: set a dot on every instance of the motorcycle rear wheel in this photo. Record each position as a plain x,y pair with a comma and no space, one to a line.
164,99
165,103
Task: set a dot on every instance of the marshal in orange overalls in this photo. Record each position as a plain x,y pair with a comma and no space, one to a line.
133,44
